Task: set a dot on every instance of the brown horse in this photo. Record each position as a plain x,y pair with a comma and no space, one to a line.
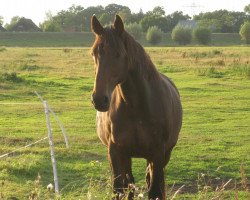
139,110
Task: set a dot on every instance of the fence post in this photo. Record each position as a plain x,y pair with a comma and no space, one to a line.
57,119
51,144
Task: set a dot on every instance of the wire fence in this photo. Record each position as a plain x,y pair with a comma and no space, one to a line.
47,110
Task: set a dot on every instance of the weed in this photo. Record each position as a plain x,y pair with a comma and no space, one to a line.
2,189
35,193
210,72
220,62
11,77
240,69
159,62
3,49
170,69
216,52
206,54
27,67
32,54
244,181
184,55
199,54
67,50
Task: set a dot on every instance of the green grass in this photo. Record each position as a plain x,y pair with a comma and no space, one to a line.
214,140
65,39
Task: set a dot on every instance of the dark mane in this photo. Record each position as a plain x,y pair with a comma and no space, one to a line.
139,60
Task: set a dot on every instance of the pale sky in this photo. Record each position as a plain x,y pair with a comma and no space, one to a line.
35,9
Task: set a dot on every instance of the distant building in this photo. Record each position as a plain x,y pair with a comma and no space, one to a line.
25,25
2,29
188,23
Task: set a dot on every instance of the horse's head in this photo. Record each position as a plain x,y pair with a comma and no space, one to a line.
111,64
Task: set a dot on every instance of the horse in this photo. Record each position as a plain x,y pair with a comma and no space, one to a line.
139,112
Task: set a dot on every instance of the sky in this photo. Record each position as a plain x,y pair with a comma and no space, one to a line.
36,9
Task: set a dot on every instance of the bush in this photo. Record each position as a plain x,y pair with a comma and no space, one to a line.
202,35
135,30
245,32
182,35
154,35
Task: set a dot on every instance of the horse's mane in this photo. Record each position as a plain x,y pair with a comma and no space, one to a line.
138,58
139,61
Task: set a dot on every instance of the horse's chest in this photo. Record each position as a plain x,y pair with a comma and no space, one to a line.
136,137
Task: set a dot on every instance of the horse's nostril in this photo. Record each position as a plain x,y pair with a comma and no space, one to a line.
106,100
101,102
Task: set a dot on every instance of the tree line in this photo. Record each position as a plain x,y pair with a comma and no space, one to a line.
77,19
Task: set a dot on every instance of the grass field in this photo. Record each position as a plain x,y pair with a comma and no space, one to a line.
214,144
63,39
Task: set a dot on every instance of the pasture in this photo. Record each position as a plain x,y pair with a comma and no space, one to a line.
214,144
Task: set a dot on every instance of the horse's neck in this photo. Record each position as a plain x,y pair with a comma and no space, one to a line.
141,81
137,90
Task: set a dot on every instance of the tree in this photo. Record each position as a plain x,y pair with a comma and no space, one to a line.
174,18
1,20
202,35
159,11
182,35
245,32
222,20
154,35
213,24
105,19
125,14
88,13
12,23
247,9
136,17
113,9
134,29
154,20
50,26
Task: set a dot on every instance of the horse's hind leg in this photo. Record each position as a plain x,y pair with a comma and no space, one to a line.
148,174
167,156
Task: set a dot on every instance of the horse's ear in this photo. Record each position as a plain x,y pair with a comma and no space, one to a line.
96,26
118,25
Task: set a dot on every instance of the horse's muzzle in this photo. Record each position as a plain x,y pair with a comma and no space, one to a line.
101,103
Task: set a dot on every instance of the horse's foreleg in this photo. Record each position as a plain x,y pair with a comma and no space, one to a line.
129,179
157,186
117,167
